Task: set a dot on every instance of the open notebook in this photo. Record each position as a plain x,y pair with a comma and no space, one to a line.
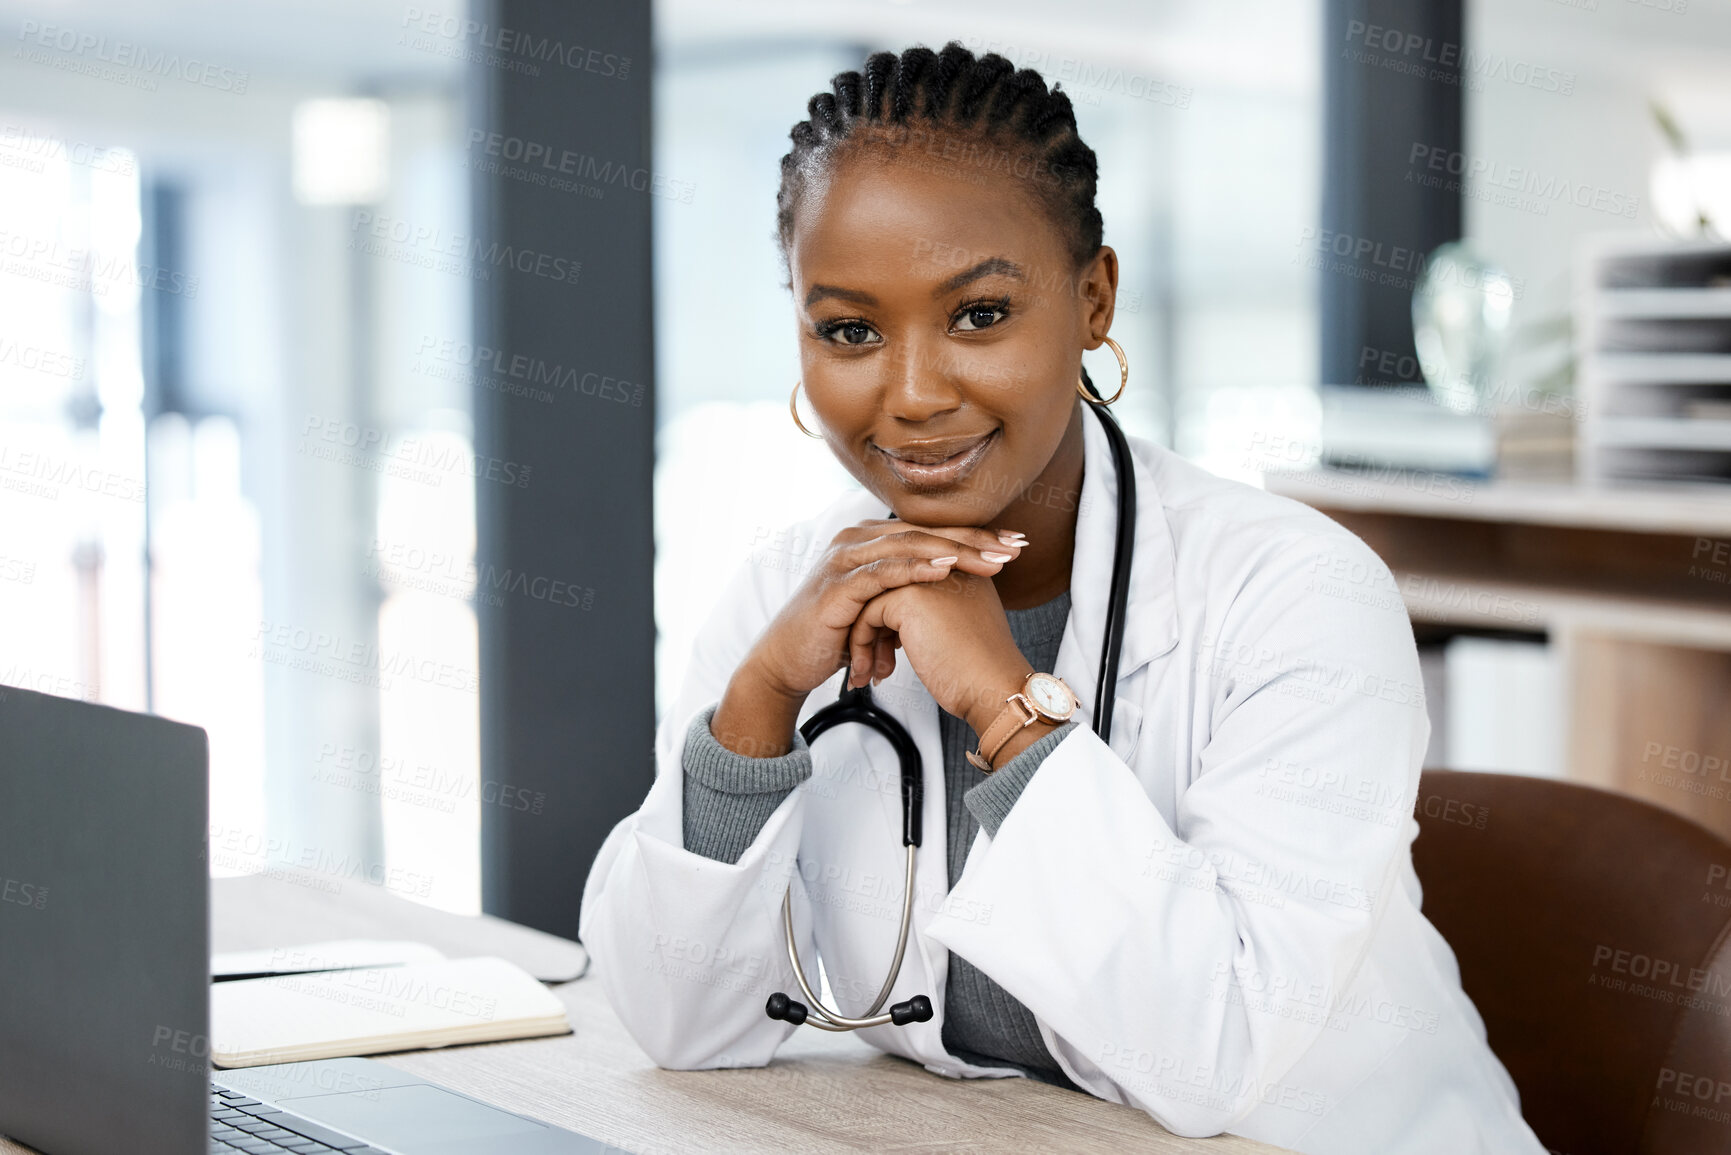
372,1009
337,955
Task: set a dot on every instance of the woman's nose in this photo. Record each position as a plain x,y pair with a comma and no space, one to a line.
921,385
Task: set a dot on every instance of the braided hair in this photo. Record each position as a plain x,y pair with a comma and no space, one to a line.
977,114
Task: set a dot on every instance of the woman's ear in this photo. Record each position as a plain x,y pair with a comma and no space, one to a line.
1097,288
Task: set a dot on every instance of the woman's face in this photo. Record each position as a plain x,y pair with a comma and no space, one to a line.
941,326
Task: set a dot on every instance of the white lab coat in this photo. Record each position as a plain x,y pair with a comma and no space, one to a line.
1214,918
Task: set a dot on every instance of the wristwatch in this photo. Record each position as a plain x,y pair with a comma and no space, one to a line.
1043,697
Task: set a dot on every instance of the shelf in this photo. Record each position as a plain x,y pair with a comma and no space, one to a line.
1453,599
1659,368
1662,433
1685,508
1662,304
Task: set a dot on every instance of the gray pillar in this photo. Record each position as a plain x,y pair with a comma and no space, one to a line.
1393,73
559,147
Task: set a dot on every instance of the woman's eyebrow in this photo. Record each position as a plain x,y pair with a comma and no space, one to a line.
819,292
985,268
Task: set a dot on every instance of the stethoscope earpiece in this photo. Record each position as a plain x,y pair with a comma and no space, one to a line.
857,706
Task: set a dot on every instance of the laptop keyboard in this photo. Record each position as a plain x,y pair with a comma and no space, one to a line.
238,1123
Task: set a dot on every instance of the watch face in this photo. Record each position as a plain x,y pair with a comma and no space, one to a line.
1050,696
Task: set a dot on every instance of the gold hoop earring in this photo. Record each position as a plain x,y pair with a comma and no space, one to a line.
794,409
1123,377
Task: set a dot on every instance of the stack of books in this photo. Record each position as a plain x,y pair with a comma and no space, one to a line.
1402,427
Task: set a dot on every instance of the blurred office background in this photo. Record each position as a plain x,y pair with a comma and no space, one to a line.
199,360
245,473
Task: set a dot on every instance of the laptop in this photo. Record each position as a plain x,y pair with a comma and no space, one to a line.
105,971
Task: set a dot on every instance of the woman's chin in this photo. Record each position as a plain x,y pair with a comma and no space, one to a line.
958,507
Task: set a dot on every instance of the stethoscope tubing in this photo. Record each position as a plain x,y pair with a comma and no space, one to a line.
831,1020
1123,549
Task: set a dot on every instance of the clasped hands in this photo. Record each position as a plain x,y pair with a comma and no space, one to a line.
880,586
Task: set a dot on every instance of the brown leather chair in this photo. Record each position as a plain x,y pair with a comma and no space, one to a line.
1592,933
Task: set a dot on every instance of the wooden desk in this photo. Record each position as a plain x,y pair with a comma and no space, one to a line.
823,1092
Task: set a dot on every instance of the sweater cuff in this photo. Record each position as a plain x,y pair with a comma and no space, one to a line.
719,768
729,797
991,800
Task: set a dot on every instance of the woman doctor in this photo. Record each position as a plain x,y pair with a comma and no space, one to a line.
1209,914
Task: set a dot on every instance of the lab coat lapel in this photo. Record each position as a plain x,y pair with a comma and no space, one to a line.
1151,624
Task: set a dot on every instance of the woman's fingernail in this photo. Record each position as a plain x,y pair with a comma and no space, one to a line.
1006,535
1014,539
999,557
941,561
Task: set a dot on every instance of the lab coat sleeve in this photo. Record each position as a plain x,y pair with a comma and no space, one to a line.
1150,949
688,948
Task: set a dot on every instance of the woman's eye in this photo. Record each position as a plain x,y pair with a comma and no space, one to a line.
979,317
851,333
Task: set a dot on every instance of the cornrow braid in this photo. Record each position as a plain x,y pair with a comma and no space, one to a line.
881,69
985,99
915,64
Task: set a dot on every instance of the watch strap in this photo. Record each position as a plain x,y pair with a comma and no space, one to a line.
1018,714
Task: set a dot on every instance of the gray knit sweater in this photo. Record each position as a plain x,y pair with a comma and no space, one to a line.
729,797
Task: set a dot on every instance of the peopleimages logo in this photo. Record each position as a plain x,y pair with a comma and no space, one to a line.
414,458
513,48
45,259
1415,54
483,362
37,359
547,164
23,893
431,247
44,475
1518,186
84,51
22,148
1075,73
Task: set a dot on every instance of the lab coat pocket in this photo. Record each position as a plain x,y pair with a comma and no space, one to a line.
1126,728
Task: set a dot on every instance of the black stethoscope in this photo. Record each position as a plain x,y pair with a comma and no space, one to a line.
857,706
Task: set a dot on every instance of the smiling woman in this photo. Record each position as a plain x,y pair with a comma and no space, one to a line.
1147,913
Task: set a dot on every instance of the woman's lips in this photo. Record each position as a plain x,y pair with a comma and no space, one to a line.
943,474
